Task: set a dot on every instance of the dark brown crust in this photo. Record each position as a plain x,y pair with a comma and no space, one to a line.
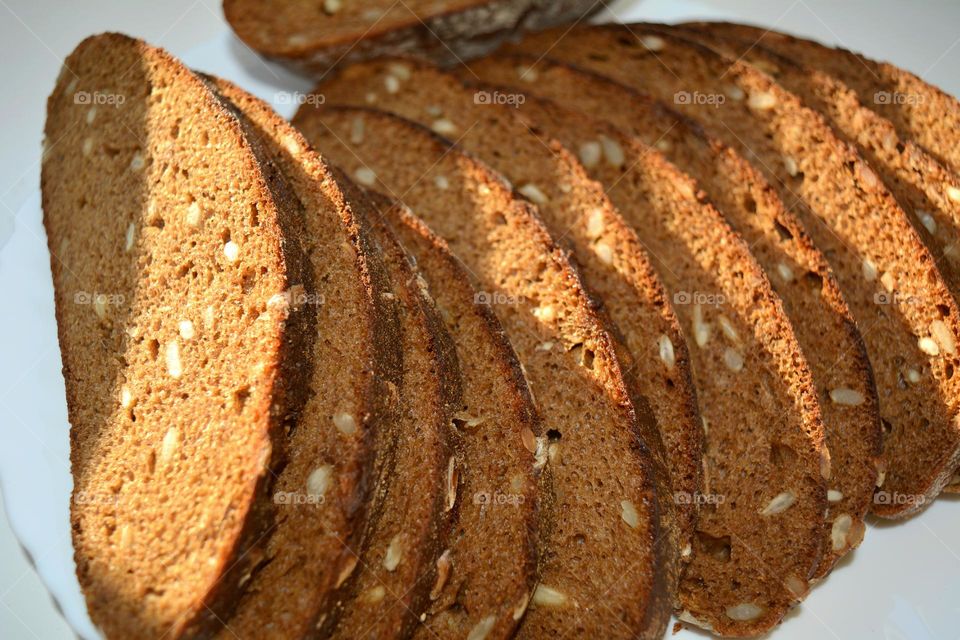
651,611
445,37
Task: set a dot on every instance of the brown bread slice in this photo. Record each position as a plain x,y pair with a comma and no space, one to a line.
316,35
612,260
601,533
174,245
906,315
820,315
919,110
329,485
771,474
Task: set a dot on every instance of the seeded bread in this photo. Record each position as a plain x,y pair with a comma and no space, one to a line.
767,459
613,262
906,315
798,272
316,35
329,486
173,247
918,110
604,527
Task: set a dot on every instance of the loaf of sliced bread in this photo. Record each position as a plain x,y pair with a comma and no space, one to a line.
821,318
919,110
602,531
174,247
330,486
611,257
316,35
906,315
743,346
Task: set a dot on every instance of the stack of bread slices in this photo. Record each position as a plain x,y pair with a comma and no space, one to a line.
613,323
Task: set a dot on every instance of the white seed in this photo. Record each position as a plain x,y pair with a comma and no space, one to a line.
889,281
701,330
521,607
131,235
663,145
194,214
744,612
612,151
482,628
444,566
629,514
527,73
231,250
881,477
371,97
347,569
834,496
137,162
547,314
733,360
913,376
545,346
374,595
735,93
595,223
365,176
532,192
400,70
791,166
779,504
839,531
687,551
666,351
186,329
91,114
728,329
391,559
444,127
88,146
345,423
590,154
453,479
208,317
356,131
761,101
941,333
928,346
291,144
786,273
797,586
927,221
546,596
653,43
868,178
330,7
604,252
126,398
434,111
689,618
170,444
391,84
174,366
847,397
953,193
319,481
100,305
441,182
870,271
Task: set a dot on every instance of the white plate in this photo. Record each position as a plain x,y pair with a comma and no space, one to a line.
902,583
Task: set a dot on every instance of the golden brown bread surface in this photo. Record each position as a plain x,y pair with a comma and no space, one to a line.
906,315
798,272
601,479
611,257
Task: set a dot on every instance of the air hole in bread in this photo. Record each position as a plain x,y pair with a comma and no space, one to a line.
599,57
240,398
887,426
153,348
781,455
554,435
944,310
814,278
717,547
948,370
785,233
750,204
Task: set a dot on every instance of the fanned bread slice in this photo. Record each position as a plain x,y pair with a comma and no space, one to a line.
316,35
612,260
919,110
328,486
766,460
906,315
798,272
174,246
497,486
601,533
917,180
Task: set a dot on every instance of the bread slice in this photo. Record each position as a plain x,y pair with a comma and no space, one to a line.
328,488
612,260
907,317
173,247
316,35
821,317
602,532
717,284
919,110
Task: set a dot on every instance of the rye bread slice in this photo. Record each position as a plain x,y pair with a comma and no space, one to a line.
601,535
919,110
174,245
770,474
612,260
902,305
316,35
821,317
328,486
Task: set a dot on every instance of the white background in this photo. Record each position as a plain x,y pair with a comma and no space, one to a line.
35,35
